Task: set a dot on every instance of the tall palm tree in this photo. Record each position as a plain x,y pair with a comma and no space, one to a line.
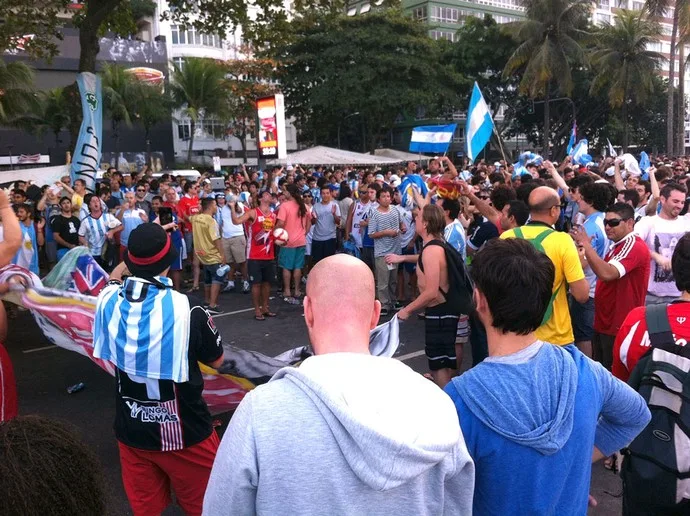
622,62
119,100
55,114
548,47
683,39
17,97
197,89
660,8
153,107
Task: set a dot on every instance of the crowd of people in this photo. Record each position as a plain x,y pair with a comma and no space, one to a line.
566,282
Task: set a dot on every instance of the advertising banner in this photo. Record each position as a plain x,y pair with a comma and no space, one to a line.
271,115
87,154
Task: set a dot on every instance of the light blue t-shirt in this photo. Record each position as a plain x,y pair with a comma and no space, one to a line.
130,220
455,235
594,227
27,255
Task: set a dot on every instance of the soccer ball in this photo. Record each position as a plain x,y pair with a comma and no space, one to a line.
280,236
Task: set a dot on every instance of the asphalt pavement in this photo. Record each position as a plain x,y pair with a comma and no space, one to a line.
44,372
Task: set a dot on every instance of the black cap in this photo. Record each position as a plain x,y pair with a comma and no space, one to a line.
149,251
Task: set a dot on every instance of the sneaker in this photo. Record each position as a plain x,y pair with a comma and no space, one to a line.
230,286
245,287
304,280
384,312
213,310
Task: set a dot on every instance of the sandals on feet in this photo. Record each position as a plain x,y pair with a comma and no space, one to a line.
270,314
259,318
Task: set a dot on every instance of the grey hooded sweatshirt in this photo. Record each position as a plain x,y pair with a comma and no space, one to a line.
344,433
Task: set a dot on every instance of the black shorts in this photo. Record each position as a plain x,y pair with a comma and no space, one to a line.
322,249
261,271
440,329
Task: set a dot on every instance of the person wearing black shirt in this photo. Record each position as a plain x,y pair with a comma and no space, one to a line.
65,228
162,424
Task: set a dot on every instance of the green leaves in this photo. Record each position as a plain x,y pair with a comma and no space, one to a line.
35,18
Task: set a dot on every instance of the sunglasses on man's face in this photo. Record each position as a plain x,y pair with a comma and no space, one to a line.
363,192
613,222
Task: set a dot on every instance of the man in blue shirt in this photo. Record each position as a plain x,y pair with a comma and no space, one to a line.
534,415
592,201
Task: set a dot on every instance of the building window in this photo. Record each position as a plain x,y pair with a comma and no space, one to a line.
190,36
442,34
459,135
183,131
602,19
178,62
444,14
420,13
603,3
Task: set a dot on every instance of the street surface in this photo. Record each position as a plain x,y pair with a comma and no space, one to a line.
44,372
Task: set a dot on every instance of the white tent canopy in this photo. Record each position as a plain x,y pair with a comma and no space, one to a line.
328,156
38,176
401,155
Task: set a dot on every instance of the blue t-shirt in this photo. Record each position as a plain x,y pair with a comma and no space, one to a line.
130,220
454,234
594,227
482,234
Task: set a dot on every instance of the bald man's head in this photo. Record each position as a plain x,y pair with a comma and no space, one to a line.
542,203
542,199
340,308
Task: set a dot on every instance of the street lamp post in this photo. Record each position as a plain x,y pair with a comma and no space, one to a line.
340,123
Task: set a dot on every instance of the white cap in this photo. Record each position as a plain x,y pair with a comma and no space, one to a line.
379,177
394,180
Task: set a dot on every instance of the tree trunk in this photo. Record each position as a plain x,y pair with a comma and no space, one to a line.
680,126
671,75
624,111
191,140
547,124
116,135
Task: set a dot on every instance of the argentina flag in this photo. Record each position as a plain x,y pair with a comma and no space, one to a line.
87,154
580,153
571,141
410,183
479,124
432,138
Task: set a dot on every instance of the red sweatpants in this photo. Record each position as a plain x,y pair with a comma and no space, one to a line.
148,476
8,388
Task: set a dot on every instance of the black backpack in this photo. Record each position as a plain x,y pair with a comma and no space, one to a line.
459,295
656,466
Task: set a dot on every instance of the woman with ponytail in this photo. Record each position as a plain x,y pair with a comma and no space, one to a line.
294,217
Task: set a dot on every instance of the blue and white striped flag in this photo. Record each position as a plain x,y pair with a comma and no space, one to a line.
410,183
143,329
573,137
432,138
87,154
479,124
580,153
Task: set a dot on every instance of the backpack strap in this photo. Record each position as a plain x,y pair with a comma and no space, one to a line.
537,243
658,327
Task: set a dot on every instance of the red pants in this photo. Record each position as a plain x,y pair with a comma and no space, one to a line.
8,388
148,476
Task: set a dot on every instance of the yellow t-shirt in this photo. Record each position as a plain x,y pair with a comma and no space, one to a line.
205,231
560,248
77,201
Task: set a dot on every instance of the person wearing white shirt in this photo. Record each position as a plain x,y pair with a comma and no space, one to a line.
234,244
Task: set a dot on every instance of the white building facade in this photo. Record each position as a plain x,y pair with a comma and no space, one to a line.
210,138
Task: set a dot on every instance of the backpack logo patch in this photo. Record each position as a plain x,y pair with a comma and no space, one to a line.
681,320
662,436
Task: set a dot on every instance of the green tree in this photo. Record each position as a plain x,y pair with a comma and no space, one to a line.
660,8
623,64
480,52
120,99
197,90
54,114
548,51
246,80
17,96
376,65
37,19
152,107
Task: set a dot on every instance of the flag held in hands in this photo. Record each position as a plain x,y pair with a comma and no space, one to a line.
479,124
432,138
573,137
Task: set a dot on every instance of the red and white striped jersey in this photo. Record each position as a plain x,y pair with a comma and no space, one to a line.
632,341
